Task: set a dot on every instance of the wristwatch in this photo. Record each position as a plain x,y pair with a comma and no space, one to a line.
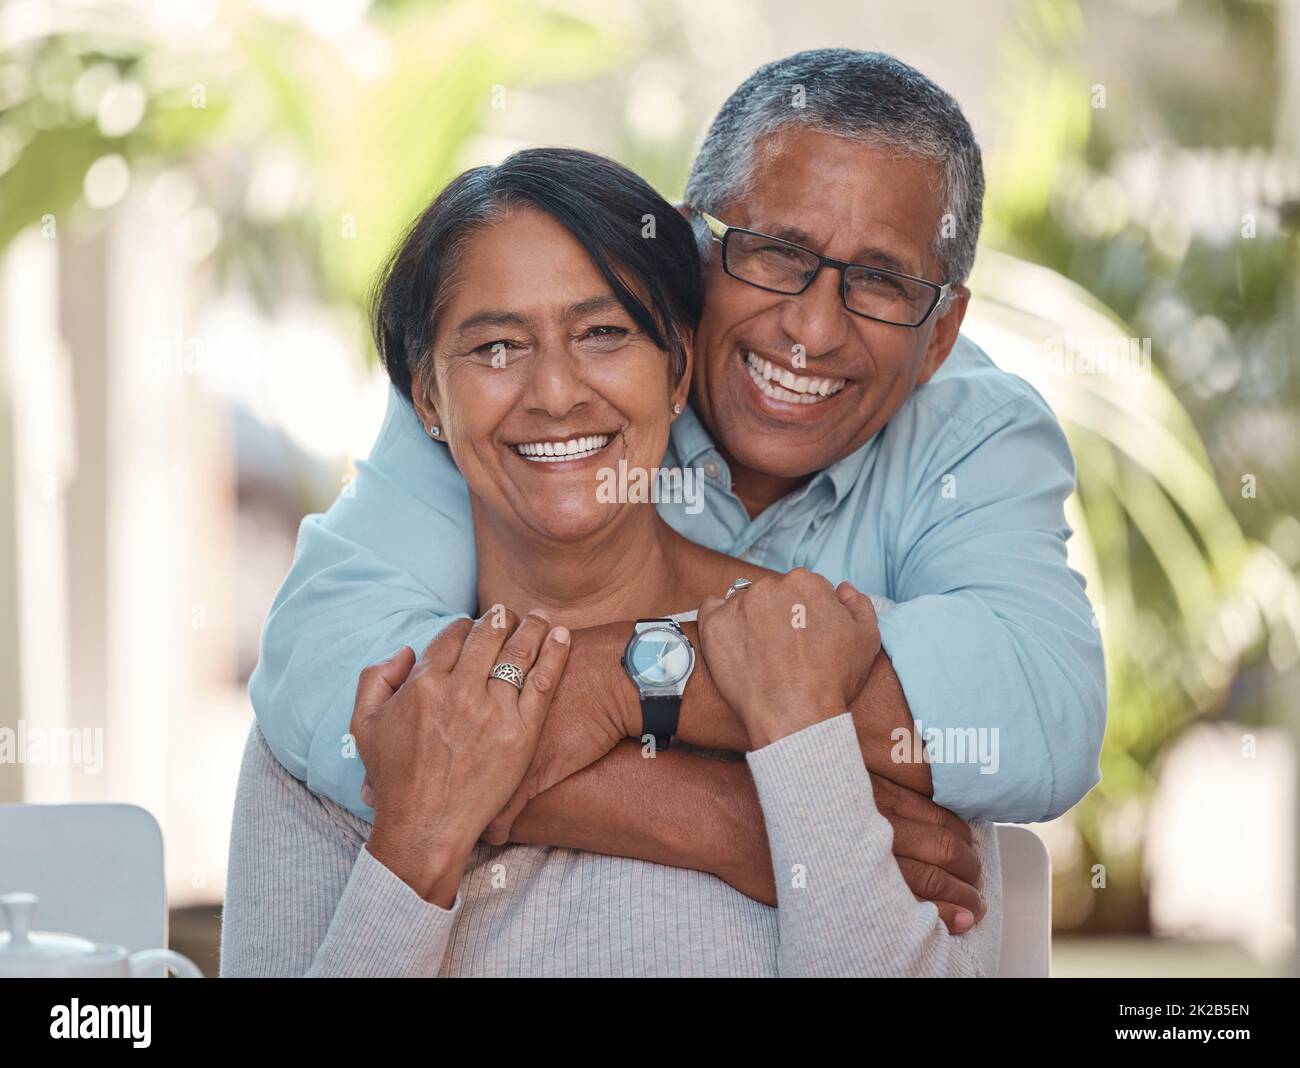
659,659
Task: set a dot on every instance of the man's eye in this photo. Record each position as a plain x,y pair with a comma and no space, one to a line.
781,252
879,283
500,347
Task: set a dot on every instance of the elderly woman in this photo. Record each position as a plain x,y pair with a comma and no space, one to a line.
559,347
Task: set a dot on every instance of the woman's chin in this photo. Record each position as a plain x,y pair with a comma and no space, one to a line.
567,525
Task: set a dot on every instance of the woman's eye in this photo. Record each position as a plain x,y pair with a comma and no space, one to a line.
604,337
498,351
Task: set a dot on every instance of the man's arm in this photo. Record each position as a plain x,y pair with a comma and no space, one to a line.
993,638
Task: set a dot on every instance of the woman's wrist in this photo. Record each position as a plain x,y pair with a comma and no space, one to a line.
433,869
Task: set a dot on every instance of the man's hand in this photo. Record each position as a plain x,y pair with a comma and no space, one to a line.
936,852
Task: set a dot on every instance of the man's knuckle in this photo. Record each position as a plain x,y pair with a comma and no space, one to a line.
931,882
947,847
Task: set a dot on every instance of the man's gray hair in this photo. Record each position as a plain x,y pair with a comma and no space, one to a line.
866,96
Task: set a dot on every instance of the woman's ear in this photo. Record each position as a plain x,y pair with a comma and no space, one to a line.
424,400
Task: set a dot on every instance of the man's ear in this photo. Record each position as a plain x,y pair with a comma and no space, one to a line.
681,387
945,334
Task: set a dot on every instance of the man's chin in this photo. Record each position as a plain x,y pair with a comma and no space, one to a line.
778,452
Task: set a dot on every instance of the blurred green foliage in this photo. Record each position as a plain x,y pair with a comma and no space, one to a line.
1161,197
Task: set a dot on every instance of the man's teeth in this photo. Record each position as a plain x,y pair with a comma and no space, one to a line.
780,384
549,452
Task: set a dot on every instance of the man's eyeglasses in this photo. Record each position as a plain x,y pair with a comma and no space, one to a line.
783,267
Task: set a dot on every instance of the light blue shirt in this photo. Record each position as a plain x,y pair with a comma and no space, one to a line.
955,511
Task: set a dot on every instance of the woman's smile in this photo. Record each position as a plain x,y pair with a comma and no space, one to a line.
566,451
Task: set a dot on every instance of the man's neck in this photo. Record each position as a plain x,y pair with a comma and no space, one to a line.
757,490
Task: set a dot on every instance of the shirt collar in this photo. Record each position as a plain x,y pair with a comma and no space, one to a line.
689,438
691,441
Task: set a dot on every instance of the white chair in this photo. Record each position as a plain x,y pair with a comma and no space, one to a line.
1026,904
96,869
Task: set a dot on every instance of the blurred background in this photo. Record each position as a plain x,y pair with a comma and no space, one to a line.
195,196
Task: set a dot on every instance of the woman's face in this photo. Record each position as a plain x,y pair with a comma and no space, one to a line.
541,380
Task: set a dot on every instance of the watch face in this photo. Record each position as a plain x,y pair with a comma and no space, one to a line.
659,657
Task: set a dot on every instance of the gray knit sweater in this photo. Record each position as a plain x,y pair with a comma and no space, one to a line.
305,897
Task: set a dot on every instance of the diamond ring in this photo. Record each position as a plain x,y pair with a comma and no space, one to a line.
736,587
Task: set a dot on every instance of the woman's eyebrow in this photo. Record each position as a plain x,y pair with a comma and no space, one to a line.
490,318
591,305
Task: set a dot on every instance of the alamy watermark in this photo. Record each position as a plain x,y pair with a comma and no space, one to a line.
1125,357
77,746
946,745
654,485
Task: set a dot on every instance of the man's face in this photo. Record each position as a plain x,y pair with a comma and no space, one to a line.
851,202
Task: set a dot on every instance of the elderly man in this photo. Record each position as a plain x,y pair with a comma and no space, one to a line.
840,424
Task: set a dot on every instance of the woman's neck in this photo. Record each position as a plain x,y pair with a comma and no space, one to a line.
633,570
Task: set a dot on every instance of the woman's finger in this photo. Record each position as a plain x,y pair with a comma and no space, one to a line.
441,654
379,682
522,647
543,677
483,646
858,604
710,605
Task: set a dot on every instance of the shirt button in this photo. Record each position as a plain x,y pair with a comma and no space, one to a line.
712,468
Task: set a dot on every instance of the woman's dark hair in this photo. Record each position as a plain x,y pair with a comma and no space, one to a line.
633,236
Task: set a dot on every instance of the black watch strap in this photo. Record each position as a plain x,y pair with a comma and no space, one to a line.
659,717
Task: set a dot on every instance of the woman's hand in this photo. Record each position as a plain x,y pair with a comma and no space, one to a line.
445,746
789,651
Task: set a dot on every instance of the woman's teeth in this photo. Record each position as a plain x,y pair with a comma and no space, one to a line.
549,452
780,384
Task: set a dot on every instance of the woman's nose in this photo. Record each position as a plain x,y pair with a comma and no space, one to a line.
555,383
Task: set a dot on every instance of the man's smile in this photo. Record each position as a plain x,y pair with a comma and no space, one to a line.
784,392
781,383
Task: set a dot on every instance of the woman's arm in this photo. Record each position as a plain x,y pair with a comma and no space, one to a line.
844,906
445,744
305,897
844,909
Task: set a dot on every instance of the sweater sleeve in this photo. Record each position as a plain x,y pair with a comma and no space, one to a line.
844,909
305,897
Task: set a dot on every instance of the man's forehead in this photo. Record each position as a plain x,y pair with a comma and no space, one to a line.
875,241
835,193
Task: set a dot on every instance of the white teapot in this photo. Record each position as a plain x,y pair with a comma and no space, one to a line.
25,953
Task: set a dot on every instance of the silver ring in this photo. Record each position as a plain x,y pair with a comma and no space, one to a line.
510,673
736,587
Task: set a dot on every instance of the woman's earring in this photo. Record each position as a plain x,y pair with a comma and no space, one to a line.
677,409
434,431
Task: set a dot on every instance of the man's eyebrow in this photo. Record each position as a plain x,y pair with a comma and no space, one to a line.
870,255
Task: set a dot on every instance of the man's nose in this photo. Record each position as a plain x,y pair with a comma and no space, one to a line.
817,318
555,382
